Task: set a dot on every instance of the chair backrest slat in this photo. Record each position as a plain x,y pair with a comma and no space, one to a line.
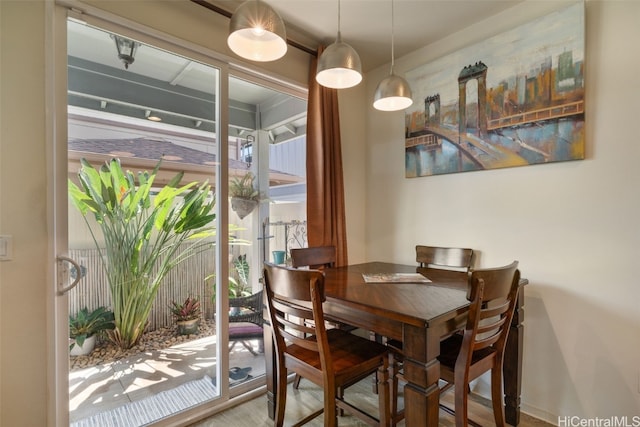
493,293
433,256
314,257
294,304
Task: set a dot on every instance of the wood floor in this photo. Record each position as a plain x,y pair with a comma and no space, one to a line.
309,398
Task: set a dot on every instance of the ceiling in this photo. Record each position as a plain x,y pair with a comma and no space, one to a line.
184,90
179,90
366,24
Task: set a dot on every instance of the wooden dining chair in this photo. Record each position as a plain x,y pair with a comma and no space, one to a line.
314,257
461,259
330,358
464,357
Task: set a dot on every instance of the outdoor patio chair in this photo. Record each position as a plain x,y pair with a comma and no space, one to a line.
245,322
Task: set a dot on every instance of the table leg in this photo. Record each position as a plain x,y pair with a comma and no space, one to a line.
512,367
422,372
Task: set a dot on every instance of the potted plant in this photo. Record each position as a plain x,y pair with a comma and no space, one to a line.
186,315
244,196
84,326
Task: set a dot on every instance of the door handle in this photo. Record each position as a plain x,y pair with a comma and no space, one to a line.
63,274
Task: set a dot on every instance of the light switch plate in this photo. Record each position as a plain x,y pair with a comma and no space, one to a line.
6,247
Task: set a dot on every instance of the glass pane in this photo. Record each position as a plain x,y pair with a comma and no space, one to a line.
139,104
266,177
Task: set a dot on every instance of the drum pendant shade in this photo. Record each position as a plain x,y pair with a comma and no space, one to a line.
393,92
339,66
257,32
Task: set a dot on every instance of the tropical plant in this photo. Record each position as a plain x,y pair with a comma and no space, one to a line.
189,310
142,235
239,283
238,279
86,324
243,188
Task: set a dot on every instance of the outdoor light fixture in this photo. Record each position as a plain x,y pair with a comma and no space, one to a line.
339,65
257,32
126,49
393,92
151,116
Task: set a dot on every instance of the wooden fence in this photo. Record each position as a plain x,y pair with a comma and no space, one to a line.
186,279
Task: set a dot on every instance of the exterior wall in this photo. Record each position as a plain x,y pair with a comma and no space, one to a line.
573,226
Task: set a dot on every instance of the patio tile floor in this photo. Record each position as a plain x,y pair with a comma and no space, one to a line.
103,387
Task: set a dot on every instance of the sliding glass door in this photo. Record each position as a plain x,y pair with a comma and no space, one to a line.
142,109
144,105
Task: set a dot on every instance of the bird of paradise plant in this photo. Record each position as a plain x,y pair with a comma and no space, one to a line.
142,234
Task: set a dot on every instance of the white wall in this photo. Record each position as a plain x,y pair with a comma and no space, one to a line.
573,225
23,207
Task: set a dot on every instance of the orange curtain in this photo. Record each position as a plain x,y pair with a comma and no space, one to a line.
325,188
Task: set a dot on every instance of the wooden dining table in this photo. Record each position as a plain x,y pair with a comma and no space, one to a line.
421,315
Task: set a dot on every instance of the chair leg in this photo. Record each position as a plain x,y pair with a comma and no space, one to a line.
249,347
281,399
330,407
296,381
384,395
461,400
393,374
496,396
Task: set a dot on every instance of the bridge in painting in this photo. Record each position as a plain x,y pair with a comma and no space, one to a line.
548,113
486,155
481,154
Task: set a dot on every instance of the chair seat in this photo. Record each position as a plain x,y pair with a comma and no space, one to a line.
244,330
450,348
351,355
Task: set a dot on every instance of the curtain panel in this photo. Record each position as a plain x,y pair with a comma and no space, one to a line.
325,187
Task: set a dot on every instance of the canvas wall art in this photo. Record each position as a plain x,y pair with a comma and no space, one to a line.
515,99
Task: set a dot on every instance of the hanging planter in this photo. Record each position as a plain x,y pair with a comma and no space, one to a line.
244,197
243,207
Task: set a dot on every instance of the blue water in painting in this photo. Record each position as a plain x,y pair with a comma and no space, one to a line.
552,141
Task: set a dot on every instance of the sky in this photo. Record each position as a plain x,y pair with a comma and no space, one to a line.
512,53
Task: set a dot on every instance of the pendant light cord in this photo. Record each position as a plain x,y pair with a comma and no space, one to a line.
339,35
392,39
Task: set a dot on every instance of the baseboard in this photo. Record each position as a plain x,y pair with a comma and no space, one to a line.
538,413
529,410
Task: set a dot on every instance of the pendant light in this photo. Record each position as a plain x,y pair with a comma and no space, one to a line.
257,32
339,65
393,92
